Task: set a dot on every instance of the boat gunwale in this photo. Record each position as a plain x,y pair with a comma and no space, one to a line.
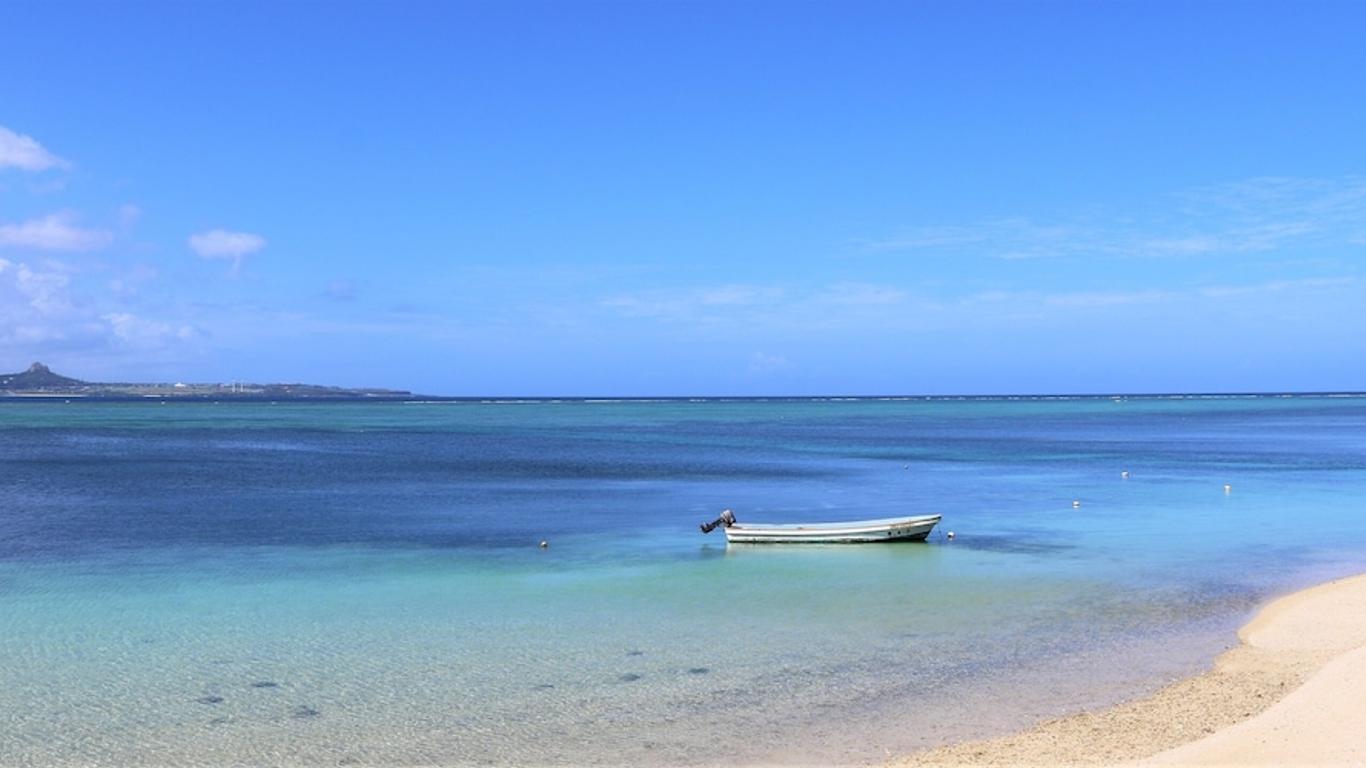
853,526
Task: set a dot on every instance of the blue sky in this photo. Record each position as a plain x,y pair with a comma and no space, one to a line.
675,198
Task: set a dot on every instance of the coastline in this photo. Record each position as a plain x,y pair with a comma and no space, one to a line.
1289,693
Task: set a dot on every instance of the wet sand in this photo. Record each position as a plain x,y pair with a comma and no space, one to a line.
1290,694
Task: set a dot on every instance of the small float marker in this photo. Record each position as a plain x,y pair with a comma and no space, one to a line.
545,544
1075,504
1124,474
1228,488
950,535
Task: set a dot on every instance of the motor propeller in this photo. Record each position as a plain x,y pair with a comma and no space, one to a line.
727,519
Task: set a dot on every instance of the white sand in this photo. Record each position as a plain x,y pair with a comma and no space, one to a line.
1294,693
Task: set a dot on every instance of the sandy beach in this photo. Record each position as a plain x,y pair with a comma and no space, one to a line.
1290,694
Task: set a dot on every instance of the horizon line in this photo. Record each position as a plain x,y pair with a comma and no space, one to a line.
417,398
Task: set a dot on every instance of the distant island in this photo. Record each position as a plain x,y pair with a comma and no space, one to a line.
39,381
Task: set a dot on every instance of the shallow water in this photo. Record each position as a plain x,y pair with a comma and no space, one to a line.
202,583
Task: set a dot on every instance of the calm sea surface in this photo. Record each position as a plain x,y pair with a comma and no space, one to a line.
353,583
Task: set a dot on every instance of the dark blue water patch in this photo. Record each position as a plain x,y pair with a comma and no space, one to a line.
1162,452
201,458
1015,544
469,480
65,491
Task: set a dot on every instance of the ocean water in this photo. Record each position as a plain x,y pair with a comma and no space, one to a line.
199,583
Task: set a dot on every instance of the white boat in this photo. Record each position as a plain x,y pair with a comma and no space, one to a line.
886,529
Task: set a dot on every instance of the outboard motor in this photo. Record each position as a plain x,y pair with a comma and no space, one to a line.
727,519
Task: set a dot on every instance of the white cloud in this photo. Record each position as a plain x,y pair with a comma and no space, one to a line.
1256,216
129,215
35,303
922,238
1108,298
140,332
26,154
754,307
55,232
45,290
698,305
42,290
1190,296
340,290
733,295
43,309
1278,286
222,244
762,362
860,295
48,186
130,282
1014,237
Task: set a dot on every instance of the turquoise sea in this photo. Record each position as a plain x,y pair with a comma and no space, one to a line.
200,583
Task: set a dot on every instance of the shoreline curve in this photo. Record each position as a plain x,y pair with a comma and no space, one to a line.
1290,693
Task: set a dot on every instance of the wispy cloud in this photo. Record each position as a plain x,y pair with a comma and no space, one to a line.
927,238
25,153
784,315
43,290
222,244
340,290
696,304
1107,298
762,306
1206,294
1277,286
55,232
130,281
735,295
130,330
37,310
128,216
42,309
1254,216
859,295
762,362
1014,237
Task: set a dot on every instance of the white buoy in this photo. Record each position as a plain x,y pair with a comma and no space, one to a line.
950,535
1124,474
1075,504
545,544
1228,487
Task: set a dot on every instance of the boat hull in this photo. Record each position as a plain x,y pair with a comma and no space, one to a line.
856,532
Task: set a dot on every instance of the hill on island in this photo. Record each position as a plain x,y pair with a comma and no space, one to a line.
38,377
40,381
